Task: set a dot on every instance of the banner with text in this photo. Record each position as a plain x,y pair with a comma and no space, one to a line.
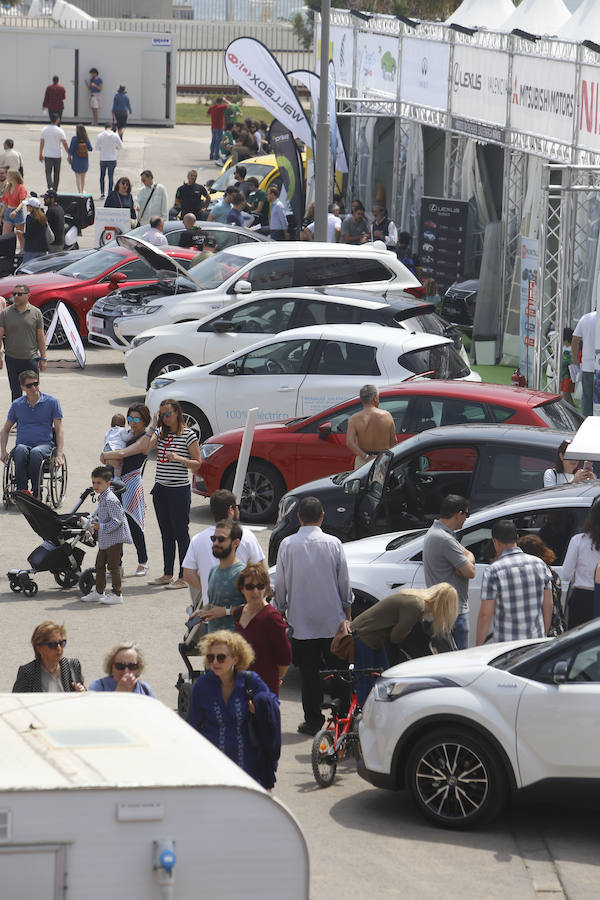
312,81
378,55
588,112
424,73
479,84
529,302
255,69
543,98
290,167
64,317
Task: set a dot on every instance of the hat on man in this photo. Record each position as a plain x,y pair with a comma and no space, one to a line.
33,201
49,193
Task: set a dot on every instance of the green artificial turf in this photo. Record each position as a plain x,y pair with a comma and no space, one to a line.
495,374
195,114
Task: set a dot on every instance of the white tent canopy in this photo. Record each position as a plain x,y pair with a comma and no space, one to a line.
481,13
586,443
584,24
538,17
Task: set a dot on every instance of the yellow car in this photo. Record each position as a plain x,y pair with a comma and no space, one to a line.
264,168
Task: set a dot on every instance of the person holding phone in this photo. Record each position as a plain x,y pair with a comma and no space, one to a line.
565,471
177,453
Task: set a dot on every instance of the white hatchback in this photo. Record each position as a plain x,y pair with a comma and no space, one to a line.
302,372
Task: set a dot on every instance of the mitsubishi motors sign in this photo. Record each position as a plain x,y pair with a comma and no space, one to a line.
543,98
479,84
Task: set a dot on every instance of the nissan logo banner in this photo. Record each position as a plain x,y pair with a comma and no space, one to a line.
251,65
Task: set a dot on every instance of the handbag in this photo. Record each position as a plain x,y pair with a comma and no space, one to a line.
251,720
50,235
342,644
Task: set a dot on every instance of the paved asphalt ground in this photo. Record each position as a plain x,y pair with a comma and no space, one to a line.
361,841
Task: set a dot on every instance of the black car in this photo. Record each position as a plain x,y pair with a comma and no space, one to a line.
403,487
458,304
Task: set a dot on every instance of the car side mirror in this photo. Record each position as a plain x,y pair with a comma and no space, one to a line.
222,326
559,672
209,183
117,278
352,486
231,369
324,430
242,287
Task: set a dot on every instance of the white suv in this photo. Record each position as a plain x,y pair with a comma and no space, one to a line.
223,278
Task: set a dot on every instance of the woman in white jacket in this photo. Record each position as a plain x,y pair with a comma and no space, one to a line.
581,559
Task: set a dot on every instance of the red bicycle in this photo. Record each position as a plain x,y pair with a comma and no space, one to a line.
339,738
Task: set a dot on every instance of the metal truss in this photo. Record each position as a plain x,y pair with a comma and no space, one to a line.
515,167
453,160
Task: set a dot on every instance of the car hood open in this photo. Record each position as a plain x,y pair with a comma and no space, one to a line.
155,257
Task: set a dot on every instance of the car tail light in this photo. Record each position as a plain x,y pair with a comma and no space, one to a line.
418,292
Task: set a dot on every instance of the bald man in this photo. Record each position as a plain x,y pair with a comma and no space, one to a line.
370,430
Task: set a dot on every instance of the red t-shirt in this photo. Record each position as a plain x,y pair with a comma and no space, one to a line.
54,97
217,115
14,198
266,634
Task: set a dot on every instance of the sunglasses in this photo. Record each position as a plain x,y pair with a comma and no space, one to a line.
218,539
122,666
54,645
135,419
167,414
254,587
216,657
30,384
19,293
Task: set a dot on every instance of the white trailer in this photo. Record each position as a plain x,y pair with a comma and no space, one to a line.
110,795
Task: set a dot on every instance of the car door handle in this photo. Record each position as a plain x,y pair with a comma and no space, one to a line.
285,390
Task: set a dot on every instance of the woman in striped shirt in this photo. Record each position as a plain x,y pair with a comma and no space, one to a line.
177,451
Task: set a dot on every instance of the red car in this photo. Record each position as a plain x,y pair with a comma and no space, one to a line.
80,284
287,454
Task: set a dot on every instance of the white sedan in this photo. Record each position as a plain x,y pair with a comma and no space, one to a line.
302,372
464,731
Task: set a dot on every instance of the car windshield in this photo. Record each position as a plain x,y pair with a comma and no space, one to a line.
405,538
96,264
442,361
214,270
430,323
256,170
559,414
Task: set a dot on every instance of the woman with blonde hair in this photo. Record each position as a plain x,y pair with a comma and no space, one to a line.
234,709
51,671
123,666
36,223
14,215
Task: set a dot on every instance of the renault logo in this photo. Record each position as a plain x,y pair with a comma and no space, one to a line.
424,65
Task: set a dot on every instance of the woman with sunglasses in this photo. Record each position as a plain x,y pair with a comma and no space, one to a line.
234,709
123,666
262,626
177,453
50,672
120,197
133,458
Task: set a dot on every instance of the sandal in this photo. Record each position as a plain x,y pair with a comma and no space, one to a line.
142,569
162,580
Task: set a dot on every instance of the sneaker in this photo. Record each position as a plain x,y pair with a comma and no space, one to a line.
142,569
102,196
309,728
162,580
93,597
176,584
110,599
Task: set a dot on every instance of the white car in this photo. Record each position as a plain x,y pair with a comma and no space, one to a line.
301,372
385,563
464,731
221,279
167,348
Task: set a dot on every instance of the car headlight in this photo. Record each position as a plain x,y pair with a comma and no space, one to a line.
138,341
207,450
394,687
159,383
130,311
286,505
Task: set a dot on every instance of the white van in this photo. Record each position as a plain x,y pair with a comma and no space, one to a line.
114,795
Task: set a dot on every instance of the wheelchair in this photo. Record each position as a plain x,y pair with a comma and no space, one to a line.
52,481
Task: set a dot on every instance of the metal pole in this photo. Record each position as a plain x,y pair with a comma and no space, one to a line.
244,456
322,147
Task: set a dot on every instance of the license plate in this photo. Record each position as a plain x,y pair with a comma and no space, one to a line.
96,324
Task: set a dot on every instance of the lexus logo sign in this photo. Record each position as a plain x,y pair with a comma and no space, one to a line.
424,65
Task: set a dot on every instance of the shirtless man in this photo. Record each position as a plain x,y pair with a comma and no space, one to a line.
371,430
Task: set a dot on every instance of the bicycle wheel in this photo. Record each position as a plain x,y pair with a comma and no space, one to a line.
323,758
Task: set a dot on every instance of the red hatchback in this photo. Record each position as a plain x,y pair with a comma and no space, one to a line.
290,453
80,284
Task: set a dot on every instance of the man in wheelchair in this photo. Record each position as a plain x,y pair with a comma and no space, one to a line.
39,432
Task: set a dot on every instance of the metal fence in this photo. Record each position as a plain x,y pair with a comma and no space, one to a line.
205,10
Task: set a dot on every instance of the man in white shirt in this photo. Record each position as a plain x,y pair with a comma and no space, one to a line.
382,227
585,331
155,234
52,140
334,227
108,143
151,199
11,158
199,559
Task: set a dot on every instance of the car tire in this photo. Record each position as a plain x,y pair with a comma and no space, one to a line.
59,338
165,364
263,489
195,419
472,797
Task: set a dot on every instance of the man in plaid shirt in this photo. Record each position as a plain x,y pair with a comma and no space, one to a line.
515,591
113,532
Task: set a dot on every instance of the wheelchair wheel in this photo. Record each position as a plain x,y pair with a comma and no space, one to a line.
9,483
66,579
87,580
58,483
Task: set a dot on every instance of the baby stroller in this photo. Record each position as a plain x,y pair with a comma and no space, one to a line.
195,630
59,552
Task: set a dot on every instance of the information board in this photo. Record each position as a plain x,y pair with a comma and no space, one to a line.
442,240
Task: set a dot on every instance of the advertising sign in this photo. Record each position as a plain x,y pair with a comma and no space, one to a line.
342,53
109,224
543,97
62,314
313,82
378,60
285,149
251,65
424,73
529,302
588,117
442,240
479,84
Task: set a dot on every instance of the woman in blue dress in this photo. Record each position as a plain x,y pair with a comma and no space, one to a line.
78,156
234,709
123,666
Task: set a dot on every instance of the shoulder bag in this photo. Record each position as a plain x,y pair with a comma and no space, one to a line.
138,223
251,720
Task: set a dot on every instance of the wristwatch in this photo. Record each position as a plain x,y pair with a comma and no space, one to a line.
227,610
